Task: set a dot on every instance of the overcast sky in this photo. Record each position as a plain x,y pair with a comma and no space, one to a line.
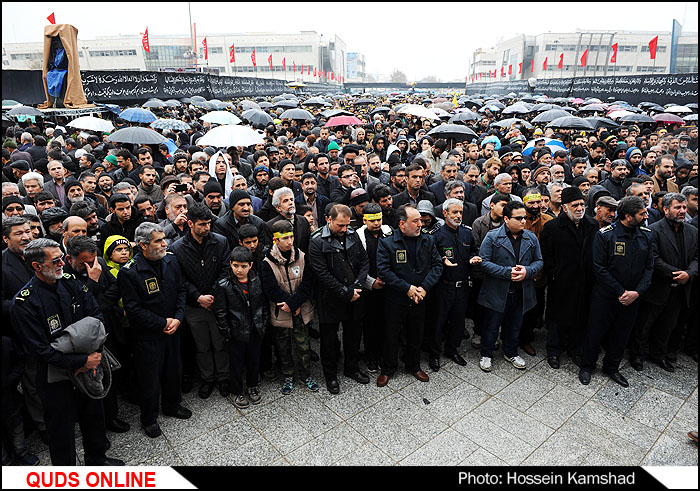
421,39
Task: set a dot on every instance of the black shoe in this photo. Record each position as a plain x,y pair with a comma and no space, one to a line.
153,431
206,389
617,377
553,362
224,388
637,363
313,356
372,366
434,363
665,364
457,358
584,377
180,413
117,426
333,387
577,360
44,435
187,384
314,333
358,377
108,461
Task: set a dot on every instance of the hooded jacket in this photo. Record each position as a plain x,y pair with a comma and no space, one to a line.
229,175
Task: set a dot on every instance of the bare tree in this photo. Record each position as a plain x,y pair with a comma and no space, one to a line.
398,76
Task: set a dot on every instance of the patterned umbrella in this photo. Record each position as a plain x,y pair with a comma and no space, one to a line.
138,115
170,124
137,135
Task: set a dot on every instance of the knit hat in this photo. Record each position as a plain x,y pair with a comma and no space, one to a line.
426,207
9,200
53,215
113,245
212,186
358,196
539,170
543,151
235,196
578,180
333,146
111,159
572,193
70,183
20,164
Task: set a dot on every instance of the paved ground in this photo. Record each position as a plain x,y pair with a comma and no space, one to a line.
463,416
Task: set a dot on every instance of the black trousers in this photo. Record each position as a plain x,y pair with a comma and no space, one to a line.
268,347
352,333
12,426
655,324
531,317
64,405
396,316
158,365
449,308
373,325
608,318
475,311
245,355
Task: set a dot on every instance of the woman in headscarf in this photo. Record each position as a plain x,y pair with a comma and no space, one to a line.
219,170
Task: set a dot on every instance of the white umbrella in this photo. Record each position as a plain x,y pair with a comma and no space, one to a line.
418,110
92,123
231,136
221,117
619,114
678,109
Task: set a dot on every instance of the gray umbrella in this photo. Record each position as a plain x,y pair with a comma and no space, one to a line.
329,113
257,117
638,118
137,135
286,104
465,116
154,104
549,116
297,114
246,104
197,98
507,123
265,104
598,122
571,123
24,111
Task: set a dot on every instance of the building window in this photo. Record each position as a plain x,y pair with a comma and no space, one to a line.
216,50
659,49
626,47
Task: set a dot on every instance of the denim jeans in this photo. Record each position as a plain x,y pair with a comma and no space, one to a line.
510,321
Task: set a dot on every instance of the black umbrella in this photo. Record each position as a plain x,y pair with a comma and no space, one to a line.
297,114
364,102
496,103
507,123
257,117
329,113
571,123
286,104
380,109
516,108
638,118
549,116
457,131
24,111
598,122
137,135
465,116
543,107
314,101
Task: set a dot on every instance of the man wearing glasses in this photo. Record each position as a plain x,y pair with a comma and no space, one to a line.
48,304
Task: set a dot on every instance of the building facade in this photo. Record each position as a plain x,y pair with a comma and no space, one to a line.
633,56
289,53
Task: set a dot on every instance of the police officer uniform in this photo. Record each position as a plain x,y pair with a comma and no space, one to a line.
450,295
43,311
152,292
623,260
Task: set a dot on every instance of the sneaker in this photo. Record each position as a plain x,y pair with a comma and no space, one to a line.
254,395
372,366
241,401
485,363
287,385
517,361
311,384
476,341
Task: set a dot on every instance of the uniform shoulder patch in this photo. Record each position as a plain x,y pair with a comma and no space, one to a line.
607,228
25,292
390,232
68,276
646,229
129,264
85,288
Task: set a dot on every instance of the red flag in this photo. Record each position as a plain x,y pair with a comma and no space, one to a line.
652,47
614,56
309,72
284,63
269,61
561,62
532,65
233,54
502,72
494,73
204,43
510,69
52,18
324,74
332,75
252,57
294,63
584,57
145,43
544,65
520,68
314,70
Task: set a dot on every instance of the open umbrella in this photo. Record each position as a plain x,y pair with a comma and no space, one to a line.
172,103
265,104
197,98
543,107
343,121
598,122
516,109
592,100
465,116
690,117
257,117
692,105
158,103
137,135
668,118
457,131
92,123
678,109
417,110
246,104
638,118
329,113
287,104
231,135
170,124
364,102
571,123
550,115
550,143
447,106
138,115
314,101
380,109
440,112
187,100
507,123
592,108
221,117
618,114
297,114
279,98
32,111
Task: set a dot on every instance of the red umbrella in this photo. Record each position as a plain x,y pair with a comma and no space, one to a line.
668,118
345,120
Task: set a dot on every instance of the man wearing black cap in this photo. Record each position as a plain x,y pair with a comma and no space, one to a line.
52,220
12,206
613,183
240,212
567,245
213,198
19,168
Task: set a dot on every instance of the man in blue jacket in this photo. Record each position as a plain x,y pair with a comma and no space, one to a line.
510,258
409,264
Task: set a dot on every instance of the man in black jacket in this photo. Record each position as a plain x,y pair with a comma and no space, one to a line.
614,182
414,191
340,268
567,247
240,212
675,267
124,220
154,292
283,201
203,259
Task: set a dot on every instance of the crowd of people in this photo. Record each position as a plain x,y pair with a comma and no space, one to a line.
215,266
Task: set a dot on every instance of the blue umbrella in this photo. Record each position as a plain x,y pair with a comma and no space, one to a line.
112,107
138,115
548,142
172,147
170,124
